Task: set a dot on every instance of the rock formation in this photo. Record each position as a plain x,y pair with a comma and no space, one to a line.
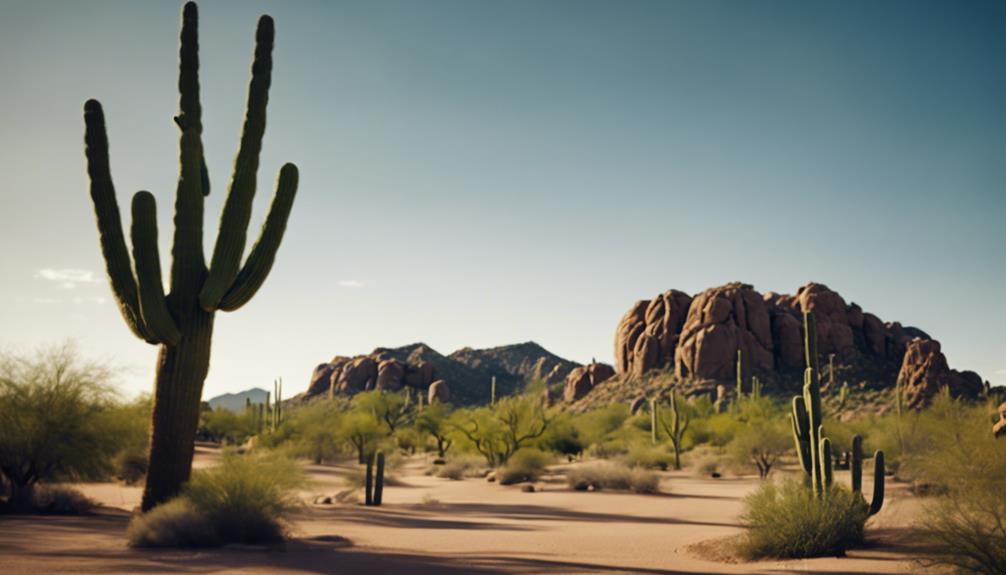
583,379
468,372
698,338
439,392
924,371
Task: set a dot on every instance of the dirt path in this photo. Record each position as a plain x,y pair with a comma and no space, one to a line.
433,525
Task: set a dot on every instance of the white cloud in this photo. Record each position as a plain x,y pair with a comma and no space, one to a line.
67,278
351,284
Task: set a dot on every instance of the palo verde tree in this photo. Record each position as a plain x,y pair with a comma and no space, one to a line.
181,322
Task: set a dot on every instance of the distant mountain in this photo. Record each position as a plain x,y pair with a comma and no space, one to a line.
467,372
237,401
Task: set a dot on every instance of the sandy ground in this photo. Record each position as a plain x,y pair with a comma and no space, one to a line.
433,525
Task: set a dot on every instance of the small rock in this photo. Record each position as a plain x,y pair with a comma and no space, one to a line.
527,488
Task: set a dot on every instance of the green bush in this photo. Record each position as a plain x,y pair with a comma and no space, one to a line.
649,456
788,520
176,523
525,464
247,498
131,466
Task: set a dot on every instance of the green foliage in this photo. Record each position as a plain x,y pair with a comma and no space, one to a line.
228,427
562,437
526,464
497,432
649,457
760,444
790,521
390,409
596,426
674,423
362,432
58,421
246,497
434,421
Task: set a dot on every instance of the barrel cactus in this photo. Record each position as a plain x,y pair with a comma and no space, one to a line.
181,321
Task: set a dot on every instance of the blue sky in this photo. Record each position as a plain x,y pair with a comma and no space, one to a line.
482,173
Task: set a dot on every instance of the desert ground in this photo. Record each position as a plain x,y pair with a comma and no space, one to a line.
434,525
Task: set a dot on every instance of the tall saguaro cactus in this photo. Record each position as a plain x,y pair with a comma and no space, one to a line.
181,322
813,449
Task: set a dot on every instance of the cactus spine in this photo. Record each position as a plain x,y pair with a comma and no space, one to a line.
814,450
181,322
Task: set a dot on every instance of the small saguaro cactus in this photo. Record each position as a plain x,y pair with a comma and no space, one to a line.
740,374
492,392
675,428
277,408
181,322
379,479
654,433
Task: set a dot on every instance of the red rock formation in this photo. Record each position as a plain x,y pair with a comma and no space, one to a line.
648,333
924,371
582,379
720,321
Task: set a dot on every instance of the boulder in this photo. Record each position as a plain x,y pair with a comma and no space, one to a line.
721,321
924,371
439,392
390,375
357,375
582,379
647,334
321,379
834,329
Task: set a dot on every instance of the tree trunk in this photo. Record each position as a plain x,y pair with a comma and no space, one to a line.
181,371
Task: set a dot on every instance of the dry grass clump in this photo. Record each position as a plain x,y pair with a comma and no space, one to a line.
598,476
60,500
176,523
459,468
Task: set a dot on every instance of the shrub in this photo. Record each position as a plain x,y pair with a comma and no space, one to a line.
598,476
649,457
246,498
131,466
964,531
61,500
760,445
525,465
788,520
176,523
459,468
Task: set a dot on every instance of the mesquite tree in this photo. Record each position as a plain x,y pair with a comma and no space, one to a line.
181,322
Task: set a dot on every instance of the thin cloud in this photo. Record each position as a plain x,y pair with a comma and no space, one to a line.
67,278
351,284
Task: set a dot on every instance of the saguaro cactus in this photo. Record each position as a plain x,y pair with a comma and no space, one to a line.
676,427
374,481
815,450
181,322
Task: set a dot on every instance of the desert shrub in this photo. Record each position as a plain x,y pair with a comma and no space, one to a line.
247,498
562,437
61,500
176,523
498,431
760,445
648,456
788,520
598,476
608,449
52,424
225,426
459,468
716,430
434,422
526,464
705,460
595,426
963,527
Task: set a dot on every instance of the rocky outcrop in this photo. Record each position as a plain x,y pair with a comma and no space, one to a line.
648,333
468,371
698,338
924,371
999,428
583,379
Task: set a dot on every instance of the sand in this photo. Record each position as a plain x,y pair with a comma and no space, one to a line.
433,525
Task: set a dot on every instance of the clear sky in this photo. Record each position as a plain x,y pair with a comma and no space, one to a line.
482,173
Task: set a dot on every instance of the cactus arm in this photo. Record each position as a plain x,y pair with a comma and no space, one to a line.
878,483
190,110
856,464
230,244
106,211
801,433
263,254
826,464
153,307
